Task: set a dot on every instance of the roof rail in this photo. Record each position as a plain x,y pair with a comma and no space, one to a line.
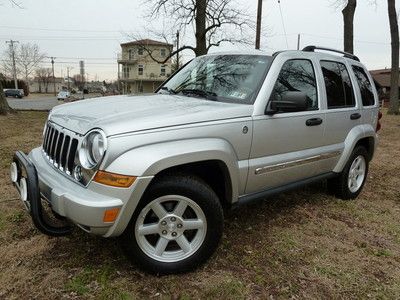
345,54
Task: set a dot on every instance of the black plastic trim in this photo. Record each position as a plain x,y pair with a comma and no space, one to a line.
254,197
345,54
34,197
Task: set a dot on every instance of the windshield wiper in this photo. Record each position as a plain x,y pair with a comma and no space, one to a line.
201,93
171,91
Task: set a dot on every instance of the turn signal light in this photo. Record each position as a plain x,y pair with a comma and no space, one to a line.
110,215
113,179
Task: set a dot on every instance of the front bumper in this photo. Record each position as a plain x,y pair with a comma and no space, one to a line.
85,206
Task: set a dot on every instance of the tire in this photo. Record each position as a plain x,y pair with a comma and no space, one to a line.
340,186
177,257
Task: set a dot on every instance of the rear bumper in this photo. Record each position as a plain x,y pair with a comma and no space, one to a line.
85,206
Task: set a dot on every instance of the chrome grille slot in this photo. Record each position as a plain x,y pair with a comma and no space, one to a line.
60,146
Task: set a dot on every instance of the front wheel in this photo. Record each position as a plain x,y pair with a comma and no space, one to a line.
176,226
350,182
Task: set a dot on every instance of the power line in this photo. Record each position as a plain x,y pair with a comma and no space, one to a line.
53,29
283,24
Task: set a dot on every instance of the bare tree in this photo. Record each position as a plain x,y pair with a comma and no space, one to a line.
348,8
394,80
348,25
29,57
44,76
4,107
213,22
7,62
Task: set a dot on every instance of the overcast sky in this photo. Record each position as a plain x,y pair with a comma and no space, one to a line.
93,29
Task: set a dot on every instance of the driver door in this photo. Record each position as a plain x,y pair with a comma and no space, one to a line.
287,146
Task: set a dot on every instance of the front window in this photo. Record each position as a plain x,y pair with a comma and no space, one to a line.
224,78
140,70
162,52
140,51
297,75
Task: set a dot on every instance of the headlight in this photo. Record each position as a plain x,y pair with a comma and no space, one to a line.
92,149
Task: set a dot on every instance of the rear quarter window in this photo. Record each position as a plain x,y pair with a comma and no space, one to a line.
365,86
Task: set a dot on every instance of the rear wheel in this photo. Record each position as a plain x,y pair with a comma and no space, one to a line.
176,227
350,182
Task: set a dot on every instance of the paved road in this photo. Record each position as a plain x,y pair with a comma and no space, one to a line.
39,103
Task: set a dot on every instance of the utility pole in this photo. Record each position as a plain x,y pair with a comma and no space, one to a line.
177,47
258,26
54,78
68,77
298,41
11,42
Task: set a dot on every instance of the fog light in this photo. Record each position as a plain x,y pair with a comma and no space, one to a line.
14,172
78,173
23,189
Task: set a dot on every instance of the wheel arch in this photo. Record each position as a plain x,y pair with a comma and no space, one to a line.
363,135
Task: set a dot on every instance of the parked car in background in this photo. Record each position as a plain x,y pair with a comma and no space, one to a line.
62,95
14,93
159,170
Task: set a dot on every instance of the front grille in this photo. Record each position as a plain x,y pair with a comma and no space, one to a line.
60,147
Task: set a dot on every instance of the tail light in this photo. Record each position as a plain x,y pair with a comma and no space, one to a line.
378,125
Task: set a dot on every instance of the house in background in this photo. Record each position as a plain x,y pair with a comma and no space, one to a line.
137,71
382,82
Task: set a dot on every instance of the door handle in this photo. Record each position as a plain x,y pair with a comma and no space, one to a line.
314,122
355,116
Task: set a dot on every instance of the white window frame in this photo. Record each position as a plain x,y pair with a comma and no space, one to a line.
140,70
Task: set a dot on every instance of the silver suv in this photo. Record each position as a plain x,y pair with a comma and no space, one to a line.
158,170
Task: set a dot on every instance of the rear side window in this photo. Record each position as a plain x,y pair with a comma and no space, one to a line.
297,75
365,86
339,90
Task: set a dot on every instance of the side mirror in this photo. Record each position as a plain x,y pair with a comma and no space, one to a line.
288,102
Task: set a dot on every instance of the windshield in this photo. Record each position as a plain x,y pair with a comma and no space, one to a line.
224,78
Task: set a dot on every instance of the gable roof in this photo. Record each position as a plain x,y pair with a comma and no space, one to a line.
382,77
146,42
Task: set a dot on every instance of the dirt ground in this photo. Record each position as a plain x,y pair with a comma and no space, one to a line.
302,244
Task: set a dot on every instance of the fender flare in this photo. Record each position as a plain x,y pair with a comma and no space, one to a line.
354,136
151,159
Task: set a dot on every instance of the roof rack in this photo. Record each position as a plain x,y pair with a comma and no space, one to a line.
345,54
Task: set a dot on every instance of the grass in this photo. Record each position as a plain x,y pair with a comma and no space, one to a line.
303,244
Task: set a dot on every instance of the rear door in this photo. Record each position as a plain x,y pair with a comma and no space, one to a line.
343,111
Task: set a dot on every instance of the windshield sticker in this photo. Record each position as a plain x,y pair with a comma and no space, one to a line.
237,94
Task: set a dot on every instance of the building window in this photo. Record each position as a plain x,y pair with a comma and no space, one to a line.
140,51
130,54
125,71
140,69
162,52
162,73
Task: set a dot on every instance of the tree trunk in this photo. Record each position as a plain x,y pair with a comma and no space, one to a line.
348,22
201,43
4,108
394,79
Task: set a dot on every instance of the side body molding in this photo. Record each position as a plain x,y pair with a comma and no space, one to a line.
151,159
357,133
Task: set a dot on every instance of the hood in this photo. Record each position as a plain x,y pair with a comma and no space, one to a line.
121,114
